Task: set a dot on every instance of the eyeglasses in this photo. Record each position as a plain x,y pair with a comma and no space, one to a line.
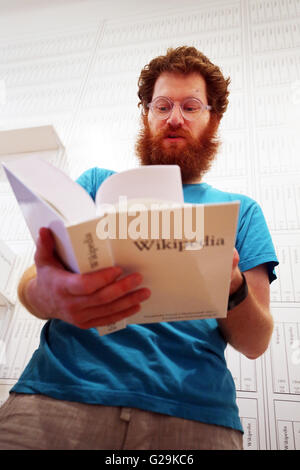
191,108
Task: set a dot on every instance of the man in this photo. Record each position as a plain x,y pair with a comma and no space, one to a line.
156,386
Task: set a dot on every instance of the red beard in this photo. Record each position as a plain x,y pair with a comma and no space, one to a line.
194,159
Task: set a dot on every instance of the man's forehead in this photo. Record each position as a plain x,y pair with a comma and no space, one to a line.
178,86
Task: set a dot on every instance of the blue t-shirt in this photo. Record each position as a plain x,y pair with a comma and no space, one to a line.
175,368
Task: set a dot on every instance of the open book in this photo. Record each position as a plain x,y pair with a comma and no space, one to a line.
140,222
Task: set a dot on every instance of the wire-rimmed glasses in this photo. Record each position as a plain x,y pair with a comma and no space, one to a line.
191,108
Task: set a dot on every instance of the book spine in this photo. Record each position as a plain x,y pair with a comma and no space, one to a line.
91,252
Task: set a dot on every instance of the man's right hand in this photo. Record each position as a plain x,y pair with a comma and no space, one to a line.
84,300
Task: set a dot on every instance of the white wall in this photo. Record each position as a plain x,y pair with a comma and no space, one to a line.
75,64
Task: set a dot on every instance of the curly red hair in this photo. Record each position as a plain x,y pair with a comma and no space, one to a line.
185,60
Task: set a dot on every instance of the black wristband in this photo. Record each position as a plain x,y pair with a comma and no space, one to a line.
238,296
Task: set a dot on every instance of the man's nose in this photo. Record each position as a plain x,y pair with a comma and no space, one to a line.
175,119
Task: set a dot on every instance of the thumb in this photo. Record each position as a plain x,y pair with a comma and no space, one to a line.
45,247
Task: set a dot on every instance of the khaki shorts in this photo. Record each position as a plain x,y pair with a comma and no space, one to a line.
38,422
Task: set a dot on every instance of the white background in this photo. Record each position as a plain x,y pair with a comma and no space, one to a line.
75,64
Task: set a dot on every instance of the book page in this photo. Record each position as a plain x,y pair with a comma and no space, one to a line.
52,185
148,182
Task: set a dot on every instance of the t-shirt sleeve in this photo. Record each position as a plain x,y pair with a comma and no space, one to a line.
254,243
